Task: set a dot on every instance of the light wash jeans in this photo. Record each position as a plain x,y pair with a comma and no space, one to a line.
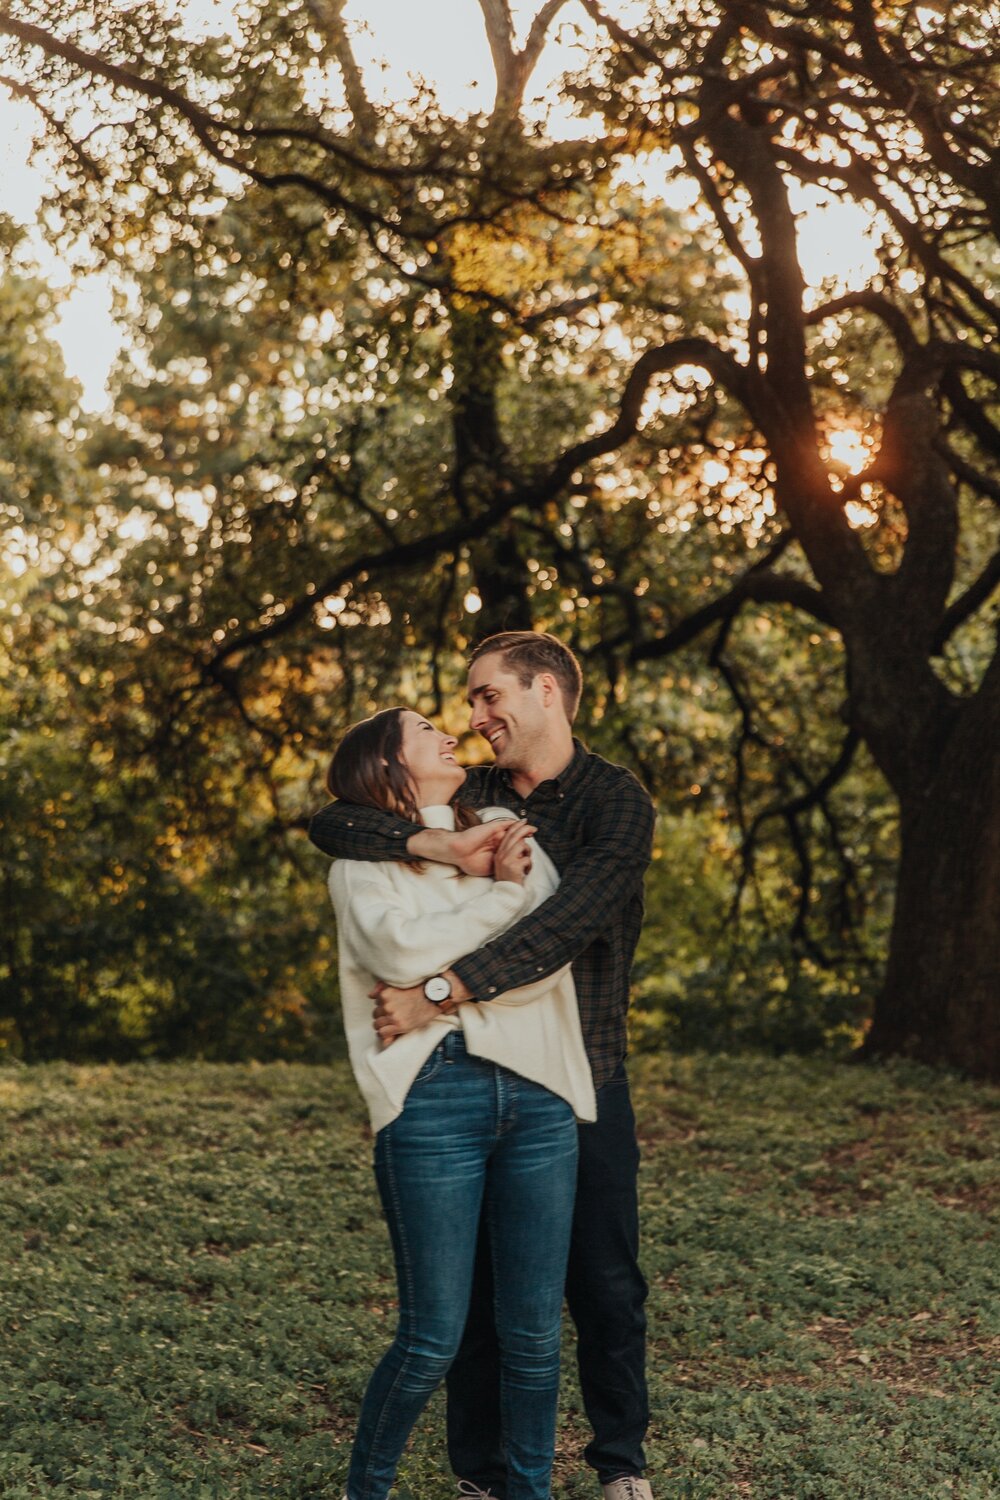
473,1138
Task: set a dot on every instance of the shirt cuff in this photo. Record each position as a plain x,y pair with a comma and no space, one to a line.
393,840
486,976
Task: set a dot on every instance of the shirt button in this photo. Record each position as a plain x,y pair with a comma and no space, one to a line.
349,823
540,969
492,990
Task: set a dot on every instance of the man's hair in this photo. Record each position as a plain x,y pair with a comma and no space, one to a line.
525,653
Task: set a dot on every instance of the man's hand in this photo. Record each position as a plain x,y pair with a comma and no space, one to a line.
399,1011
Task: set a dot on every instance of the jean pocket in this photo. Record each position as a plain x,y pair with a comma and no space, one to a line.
431,1067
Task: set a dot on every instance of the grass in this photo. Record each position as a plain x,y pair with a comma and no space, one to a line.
195,1283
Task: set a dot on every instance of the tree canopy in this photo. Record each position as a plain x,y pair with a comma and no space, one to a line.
400,377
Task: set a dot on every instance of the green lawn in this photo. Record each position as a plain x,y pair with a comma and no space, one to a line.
195,1282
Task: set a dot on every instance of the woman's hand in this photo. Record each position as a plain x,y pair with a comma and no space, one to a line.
512,857
473,848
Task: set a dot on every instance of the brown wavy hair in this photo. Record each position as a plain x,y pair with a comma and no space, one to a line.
367,770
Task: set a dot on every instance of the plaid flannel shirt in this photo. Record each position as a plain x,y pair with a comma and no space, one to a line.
595,822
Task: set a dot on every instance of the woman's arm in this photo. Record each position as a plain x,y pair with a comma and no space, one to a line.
404,949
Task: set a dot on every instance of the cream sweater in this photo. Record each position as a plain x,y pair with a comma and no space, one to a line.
402,926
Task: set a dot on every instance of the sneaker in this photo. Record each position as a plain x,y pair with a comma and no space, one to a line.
628,1487
472,1491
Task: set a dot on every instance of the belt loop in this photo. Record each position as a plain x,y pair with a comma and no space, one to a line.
453,1043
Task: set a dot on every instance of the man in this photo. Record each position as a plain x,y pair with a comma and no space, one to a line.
595,822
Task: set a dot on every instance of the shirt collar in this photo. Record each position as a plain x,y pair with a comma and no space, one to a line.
561,784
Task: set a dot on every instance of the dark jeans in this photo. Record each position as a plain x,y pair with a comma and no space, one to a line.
473,1141
606,1292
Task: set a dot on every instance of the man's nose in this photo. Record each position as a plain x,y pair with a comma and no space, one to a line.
478,716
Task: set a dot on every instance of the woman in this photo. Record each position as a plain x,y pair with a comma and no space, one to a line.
473,1111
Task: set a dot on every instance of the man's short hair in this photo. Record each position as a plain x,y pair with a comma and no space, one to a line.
525,653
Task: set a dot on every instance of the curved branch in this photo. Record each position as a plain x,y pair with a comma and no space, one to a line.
966,605
538,31
742,383
878,303
765,587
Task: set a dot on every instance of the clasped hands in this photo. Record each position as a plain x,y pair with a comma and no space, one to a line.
499,849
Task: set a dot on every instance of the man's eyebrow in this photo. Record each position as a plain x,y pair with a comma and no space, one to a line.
476,692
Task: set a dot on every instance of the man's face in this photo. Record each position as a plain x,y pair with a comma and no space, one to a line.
511,717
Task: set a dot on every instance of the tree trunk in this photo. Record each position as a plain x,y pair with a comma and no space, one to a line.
940,1001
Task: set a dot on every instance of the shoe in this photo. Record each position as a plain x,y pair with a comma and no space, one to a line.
628,1487
472,1491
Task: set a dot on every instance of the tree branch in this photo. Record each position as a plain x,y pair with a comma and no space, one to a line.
23,91
329,17
532,496
765,587
878,303
513,68
966,605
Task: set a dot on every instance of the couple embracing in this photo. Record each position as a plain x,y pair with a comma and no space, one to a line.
491,916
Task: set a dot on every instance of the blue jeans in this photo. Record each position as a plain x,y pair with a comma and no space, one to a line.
606,1293
472,1139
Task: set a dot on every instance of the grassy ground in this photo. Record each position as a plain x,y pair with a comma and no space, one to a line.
195,1282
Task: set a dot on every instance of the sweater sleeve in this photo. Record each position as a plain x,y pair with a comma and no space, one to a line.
401,948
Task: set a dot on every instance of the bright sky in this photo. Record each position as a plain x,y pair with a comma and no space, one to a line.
408,37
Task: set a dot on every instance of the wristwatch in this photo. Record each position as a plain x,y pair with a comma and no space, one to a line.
437,989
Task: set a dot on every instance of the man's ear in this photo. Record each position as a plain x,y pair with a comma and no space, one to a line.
550,688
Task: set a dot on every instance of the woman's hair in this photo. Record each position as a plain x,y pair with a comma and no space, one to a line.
367,769
366,766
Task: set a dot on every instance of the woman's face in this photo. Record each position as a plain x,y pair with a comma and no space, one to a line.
429,758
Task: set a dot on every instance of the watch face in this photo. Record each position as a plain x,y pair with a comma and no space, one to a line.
437,989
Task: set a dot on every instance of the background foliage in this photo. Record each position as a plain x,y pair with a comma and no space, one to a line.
396,378
160,894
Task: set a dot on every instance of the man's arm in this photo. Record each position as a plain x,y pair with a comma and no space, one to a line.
346,831
605,873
